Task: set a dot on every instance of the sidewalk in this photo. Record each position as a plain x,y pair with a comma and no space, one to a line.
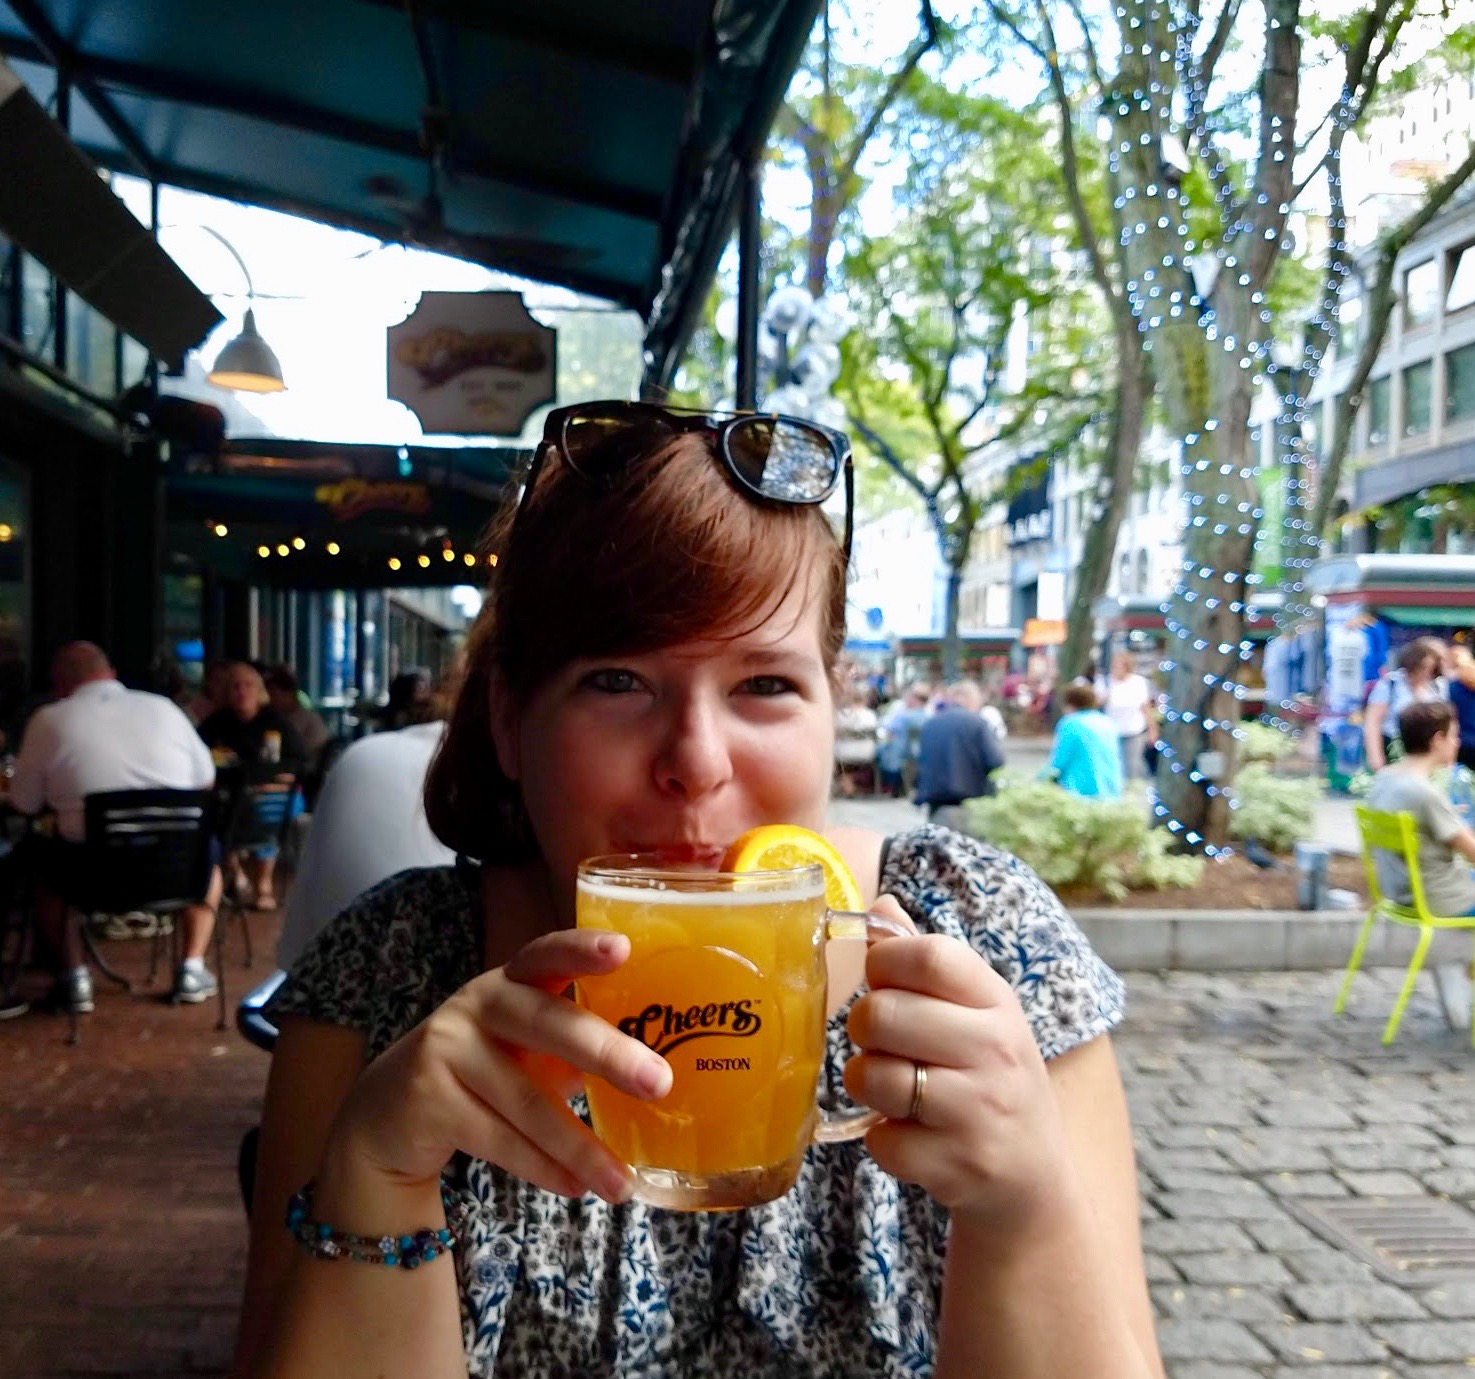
124,1239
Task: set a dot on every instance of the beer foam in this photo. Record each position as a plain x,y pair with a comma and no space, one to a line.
673,895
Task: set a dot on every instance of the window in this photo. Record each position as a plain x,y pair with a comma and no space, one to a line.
1418,398
1349,321
1378,396
37,308
1461,291
1459,384
1420,294
91,346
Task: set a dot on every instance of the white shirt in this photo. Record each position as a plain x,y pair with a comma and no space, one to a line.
1126,703
368,824
104,736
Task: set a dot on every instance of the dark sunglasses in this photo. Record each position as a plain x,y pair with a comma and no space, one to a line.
771,458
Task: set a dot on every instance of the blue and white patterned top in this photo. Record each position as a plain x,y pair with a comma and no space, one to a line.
841,1276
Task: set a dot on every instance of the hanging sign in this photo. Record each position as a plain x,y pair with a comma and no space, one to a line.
472,363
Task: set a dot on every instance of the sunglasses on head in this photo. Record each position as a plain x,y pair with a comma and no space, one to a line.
770,458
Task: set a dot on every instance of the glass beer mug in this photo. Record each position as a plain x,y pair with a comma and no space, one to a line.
726,981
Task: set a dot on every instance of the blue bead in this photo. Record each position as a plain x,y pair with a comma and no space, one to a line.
428,1253
391,1260
405,1241
444,1237
324,1230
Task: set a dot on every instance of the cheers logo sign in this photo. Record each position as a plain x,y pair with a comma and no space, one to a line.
665,1027
472,363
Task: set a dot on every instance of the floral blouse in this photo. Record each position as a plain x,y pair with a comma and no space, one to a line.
841,1276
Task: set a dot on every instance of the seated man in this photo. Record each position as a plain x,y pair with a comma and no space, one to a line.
99,736
1431,740
369,823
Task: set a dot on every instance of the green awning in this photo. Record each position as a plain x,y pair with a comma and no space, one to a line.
576,142
1426,615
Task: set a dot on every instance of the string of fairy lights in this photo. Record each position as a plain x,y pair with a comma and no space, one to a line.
464,561
1174,282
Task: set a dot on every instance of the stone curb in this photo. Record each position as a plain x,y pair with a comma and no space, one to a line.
1254,940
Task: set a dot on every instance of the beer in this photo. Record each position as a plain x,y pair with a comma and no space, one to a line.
726,981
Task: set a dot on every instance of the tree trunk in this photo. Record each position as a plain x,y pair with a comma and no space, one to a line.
1207,614
952,645
1113,490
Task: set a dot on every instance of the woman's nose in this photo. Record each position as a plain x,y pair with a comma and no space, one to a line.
694,757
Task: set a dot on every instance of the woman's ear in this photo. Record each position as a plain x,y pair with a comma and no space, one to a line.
504,716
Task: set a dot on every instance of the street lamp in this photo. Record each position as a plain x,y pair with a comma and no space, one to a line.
247,364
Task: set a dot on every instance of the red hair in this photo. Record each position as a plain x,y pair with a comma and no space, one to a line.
667,552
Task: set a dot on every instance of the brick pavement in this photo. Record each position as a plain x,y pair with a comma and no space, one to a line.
123,1238
121,1226
1247,1098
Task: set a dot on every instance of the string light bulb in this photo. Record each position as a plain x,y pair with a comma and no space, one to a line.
283,549
424,560
333,548
263,551
394,562
298,544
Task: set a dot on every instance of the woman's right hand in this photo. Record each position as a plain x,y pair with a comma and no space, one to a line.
489,1073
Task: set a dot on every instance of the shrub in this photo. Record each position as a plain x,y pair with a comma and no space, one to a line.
1264,743
1101,845
1278,811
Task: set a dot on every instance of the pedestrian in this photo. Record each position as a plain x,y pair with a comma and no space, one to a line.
901,726
1127,697
1086,758
637,679
1462,697
956,755
1417,679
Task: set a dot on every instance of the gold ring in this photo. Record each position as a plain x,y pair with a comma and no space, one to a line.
919,1090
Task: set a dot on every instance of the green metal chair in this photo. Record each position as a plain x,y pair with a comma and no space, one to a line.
1398,833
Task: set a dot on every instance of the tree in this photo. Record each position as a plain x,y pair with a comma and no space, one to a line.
975,255
1205,165
1100,226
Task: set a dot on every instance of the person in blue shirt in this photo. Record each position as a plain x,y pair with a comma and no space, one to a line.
1087,757
1462,699
900,726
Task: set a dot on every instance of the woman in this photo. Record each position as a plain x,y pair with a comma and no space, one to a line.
1127,699
1086,759
1418,679
640,677
252,736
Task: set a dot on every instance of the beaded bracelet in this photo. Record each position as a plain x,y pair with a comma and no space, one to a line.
394,1251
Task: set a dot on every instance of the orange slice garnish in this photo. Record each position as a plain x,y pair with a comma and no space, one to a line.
781,847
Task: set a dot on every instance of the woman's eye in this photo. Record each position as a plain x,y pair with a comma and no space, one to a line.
612,681
767,685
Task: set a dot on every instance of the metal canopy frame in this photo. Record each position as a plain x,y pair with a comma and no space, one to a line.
595,147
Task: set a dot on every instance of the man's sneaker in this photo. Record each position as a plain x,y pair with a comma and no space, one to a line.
77,992
191,986
12,1007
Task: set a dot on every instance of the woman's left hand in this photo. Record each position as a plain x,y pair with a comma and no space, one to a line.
988,1142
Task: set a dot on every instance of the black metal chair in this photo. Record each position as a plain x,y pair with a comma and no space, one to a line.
145,850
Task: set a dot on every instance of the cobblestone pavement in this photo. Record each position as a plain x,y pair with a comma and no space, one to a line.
1249,1101
123,1239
